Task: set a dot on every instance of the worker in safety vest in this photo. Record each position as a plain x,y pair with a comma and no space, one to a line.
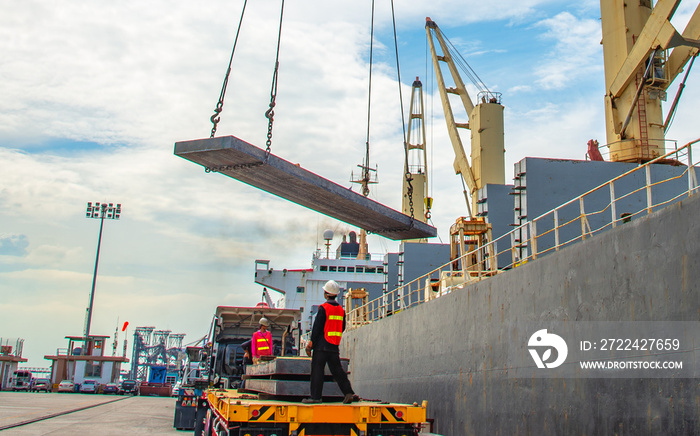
262,341
325,337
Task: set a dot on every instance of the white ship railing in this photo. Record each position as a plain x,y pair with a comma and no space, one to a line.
566,224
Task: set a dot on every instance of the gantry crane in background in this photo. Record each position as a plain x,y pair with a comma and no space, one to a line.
638,70
155,347
485,122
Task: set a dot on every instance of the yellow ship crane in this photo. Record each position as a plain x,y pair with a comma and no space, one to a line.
643,54
485,121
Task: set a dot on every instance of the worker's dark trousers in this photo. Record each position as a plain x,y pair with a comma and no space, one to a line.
318,364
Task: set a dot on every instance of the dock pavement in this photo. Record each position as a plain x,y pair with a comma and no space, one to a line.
78,414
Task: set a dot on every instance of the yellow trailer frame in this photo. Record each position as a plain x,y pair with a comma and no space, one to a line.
237,414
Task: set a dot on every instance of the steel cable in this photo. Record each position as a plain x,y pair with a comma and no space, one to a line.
220,104
270,113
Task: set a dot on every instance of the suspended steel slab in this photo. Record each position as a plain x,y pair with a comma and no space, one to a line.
245,162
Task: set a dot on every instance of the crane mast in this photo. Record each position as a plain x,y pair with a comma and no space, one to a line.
416,163
485,123
636,42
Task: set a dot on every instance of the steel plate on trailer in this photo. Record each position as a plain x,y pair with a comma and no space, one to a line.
282,366
292,388
245,162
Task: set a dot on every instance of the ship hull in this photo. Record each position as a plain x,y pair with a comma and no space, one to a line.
457,352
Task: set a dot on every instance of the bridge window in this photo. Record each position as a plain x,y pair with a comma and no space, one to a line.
93,369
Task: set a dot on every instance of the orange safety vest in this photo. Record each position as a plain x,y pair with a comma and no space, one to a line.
262,343
333,330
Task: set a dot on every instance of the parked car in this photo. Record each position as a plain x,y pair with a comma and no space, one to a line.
89,387
129,387
110,388
41,384
66,386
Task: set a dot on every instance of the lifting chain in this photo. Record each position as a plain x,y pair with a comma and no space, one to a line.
365,169
270,113
222,168
409,178
365,187
220,104
409,191
216,118
392,229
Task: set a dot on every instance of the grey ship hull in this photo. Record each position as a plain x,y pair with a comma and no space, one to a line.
454,351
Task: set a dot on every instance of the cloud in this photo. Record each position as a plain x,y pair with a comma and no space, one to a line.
451,13
576,52
520,89
13,245
47,276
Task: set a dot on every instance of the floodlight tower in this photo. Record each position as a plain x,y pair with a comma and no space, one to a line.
99,211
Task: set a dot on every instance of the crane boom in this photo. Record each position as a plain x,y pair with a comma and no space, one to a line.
461,164
681,55
485,123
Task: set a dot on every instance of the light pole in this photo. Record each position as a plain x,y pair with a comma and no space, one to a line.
99,211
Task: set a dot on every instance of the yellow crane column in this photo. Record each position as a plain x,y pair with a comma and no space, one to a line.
637,40
642,139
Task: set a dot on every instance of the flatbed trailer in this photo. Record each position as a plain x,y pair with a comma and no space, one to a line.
232,413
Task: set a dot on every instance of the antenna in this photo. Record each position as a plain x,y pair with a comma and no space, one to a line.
328,236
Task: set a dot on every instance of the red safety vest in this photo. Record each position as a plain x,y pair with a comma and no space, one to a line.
333,330
263,343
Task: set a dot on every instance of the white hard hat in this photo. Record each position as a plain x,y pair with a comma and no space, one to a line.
331,287
265,322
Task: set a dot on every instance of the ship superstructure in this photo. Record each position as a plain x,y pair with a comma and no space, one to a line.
303,288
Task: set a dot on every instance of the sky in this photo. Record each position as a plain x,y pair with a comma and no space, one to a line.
95,94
